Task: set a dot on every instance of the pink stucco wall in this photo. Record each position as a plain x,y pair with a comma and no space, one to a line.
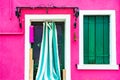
12,45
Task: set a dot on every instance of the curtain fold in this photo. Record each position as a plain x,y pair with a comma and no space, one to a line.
49,67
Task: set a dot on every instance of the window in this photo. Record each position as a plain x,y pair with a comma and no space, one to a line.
97,40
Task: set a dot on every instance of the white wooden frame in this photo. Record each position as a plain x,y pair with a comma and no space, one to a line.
48,17
113,65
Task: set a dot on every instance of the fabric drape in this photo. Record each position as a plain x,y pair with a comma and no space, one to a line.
49,67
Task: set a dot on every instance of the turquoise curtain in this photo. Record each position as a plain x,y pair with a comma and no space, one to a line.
49,67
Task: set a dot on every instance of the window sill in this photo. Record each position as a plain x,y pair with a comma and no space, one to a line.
98,67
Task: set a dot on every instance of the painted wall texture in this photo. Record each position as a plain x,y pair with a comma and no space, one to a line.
12,38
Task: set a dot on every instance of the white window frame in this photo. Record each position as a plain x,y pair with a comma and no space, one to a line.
113,65
54,17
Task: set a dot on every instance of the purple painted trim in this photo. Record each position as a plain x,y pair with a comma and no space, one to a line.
31,34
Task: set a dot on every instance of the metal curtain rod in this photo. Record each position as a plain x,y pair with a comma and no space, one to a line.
48,7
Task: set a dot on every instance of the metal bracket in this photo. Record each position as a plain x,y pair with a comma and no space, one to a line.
76,14
18,14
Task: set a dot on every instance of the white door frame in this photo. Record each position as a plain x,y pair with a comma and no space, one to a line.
46,17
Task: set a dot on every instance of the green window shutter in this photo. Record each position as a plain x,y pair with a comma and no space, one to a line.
91,40
96,39
86,40
106,39
99,40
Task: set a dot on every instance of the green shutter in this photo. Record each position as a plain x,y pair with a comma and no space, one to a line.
86,40
92,40
99,39
96,39
106,39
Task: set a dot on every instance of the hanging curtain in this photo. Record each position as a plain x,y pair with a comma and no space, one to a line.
49,67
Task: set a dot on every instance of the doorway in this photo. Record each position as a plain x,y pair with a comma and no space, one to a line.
36,46
63,40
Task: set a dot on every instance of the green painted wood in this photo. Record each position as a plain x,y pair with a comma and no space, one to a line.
86,39
106,39
99,40
91,40
96,39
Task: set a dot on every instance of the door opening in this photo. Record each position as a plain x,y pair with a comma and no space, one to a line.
36,46
63,42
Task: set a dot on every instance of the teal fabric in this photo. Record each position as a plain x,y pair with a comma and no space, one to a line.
49,67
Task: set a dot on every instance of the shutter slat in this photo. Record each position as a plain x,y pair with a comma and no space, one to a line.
91,40
99,40
86,40
106,39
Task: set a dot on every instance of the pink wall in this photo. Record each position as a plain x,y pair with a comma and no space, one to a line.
12,45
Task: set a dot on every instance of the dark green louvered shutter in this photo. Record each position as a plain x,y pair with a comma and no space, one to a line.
96,39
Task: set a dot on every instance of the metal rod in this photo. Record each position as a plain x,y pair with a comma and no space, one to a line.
48,7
